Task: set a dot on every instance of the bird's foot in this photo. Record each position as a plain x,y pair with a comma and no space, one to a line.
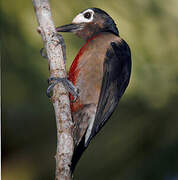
61,41
67,84
43,53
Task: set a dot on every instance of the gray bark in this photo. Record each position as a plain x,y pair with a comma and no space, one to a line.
60,99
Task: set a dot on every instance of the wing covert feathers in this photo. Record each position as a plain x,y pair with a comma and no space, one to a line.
117,70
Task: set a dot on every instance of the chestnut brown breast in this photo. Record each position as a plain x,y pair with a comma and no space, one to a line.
86,71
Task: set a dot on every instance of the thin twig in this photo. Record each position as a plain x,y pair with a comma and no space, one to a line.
60,100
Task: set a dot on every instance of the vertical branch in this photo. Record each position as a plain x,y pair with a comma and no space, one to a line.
60,98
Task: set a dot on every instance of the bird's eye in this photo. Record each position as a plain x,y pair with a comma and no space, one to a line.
87,15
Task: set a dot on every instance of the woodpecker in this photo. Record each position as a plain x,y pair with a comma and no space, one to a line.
100,72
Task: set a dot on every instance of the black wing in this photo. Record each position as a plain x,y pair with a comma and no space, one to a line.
117,70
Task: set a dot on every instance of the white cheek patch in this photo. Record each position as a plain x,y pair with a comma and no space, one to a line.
81,19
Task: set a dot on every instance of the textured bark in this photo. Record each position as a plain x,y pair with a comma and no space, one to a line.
60,99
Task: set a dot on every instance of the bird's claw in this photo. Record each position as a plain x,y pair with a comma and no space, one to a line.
43,53
67,84
61,41
75,95
50,87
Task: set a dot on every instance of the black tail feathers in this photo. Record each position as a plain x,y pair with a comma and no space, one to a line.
78,151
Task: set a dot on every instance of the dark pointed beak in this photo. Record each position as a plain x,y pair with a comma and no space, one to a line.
69,28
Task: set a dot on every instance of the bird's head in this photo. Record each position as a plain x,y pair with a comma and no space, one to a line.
90,22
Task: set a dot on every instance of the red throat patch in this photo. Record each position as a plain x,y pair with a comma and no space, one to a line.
73,74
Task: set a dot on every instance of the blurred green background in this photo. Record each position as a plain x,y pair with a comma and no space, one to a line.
140,142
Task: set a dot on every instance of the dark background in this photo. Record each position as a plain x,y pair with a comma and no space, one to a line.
140,142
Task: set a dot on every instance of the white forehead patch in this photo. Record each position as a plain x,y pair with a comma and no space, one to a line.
80,17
